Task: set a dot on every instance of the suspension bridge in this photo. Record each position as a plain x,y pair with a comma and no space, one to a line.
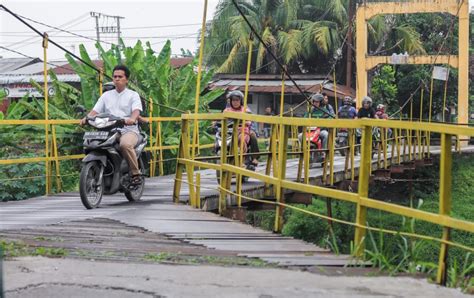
285,176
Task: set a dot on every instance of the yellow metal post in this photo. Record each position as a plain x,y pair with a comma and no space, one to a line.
270,158
279,195
160,148
101,80
463,69
363,188
445,189
242,135
223,174
331,140
183,152
429,114
46,113
282,95
56,161
361,53
353,155
150,122
198,191
306,152
198,83
157,142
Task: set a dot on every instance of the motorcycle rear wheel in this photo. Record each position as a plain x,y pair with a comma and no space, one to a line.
90,189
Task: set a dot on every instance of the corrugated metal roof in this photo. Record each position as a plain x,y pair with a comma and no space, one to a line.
16,79
36,68
11,64
274,86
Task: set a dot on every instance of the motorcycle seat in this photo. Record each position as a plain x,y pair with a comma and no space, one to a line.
141,138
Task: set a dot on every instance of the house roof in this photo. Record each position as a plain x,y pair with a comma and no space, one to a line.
272,84
11,64
181,61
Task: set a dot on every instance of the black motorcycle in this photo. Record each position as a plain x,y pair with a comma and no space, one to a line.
104,170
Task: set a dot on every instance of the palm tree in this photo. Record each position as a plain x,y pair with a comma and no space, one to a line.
296,31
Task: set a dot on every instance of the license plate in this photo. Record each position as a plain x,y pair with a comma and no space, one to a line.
343,134
96,135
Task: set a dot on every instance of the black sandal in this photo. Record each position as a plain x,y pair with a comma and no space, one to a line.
136,180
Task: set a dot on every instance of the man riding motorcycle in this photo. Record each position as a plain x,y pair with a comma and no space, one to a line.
124,103
347,111
318,136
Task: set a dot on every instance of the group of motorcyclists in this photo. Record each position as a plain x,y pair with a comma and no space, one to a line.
320,109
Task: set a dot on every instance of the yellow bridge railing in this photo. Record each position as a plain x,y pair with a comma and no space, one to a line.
410,141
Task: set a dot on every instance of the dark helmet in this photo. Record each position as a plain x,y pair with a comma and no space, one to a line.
317,97
236,93
108,86
347,100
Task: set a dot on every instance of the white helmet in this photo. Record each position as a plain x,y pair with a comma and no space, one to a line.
367,100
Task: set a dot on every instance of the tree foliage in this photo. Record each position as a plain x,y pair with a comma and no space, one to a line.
306,35
384,88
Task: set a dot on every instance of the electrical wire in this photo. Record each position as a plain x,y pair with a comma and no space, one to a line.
24,42
52,41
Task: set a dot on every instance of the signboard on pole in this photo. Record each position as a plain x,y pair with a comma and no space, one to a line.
440,73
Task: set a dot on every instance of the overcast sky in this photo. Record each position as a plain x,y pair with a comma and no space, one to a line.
177,20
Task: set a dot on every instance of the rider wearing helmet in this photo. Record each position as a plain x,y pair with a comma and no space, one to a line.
380,113
236,104
366,111
347,111
318,111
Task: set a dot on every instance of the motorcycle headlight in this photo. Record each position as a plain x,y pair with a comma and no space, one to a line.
102,122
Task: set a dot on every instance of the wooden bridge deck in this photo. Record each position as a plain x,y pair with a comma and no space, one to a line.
156,213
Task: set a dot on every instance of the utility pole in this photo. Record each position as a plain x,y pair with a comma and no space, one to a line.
106,29
96,16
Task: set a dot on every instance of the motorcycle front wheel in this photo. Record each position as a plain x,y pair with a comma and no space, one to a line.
135,194
90,188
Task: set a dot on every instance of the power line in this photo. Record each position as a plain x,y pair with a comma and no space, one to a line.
123,28
59,29
128,37
52,41
68,24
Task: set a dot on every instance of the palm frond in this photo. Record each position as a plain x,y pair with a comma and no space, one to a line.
229,63
411,41
270,41
291,44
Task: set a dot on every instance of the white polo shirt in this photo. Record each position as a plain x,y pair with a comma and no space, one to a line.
120,105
